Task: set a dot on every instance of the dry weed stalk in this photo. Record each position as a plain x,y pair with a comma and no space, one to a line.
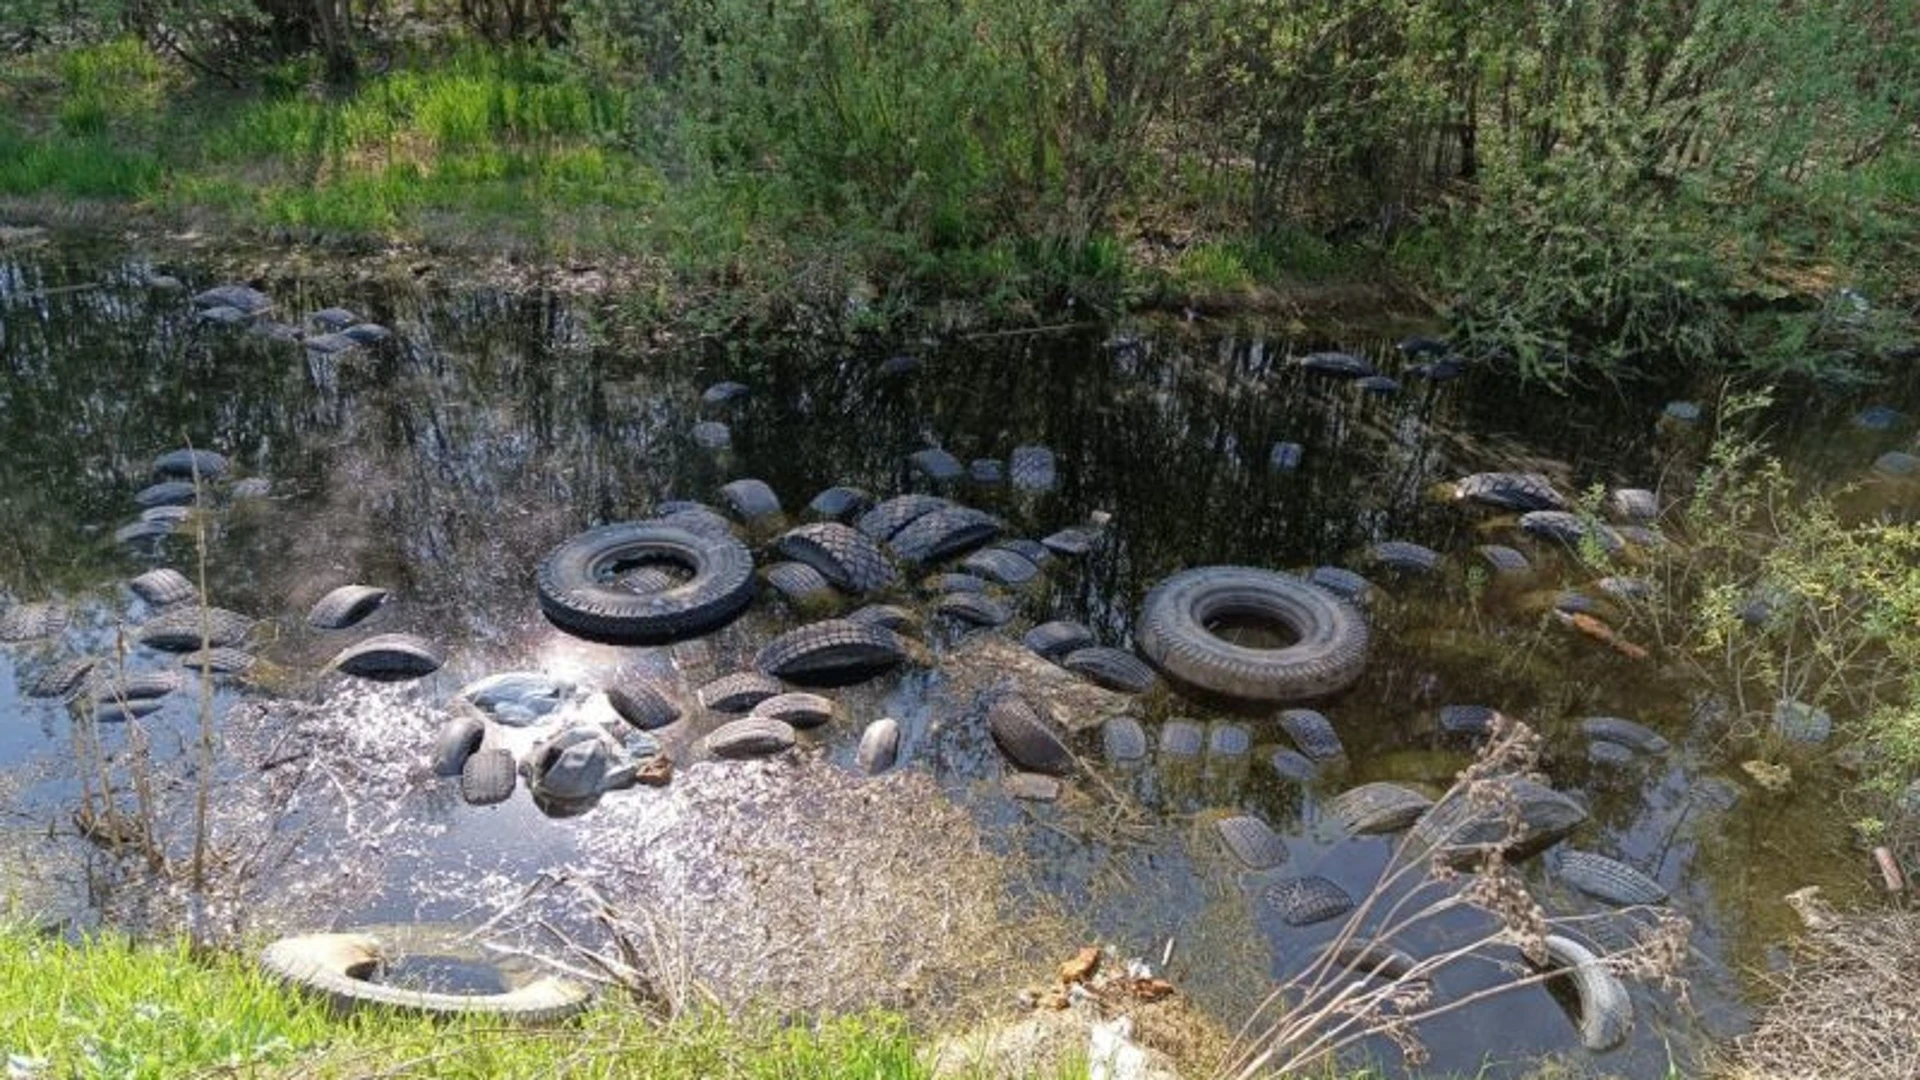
1362,985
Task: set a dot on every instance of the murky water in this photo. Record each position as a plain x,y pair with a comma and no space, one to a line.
443,464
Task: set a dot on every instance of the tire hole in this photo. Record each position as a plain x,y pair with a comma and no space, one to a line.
1252,632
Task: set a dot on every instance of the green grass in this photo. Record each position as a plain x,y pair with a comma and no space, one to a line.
109,1008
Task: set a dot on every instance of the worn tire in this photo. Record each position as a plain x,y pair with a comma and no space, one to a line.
643,705
973,608
576,598
1327,658
458,739
1303,901
738,692
329,965
179,629
164,587
1312,734
488,777
389,658
842,555
1608,879
1606,1009
1027,739
999,564
1251,841
750,500
1114,669
840,502
750,737
797,709
1378,807
1058,638
345,606
832,652
943,534
883,521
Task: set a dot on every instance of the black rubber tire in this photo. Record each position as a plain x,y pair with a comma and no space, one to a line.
1058,638
117,712
1251,841
1312,734
724,391
1405,556
840,502
946,532
1636,737
1378,807
738,692
1027,739
1503,560
1124,739
132,685
832,652
801,585
458,739
973,608
1033,551
576,599
1327,658
1511,491
1182,740
880,523
799,710
63,679
1303,901
1032,468
879,746
1228,741
488,777
1606,1009
179,629
750,500
1293,766
1343,583
643,705
842,555
1115,669
999,564
952,583
987,472
345,606
886,616
1357,957
328,965
1074,541
218,660
937,465
183,464
750,737
163,587
165,493
1634,506
1336,364
1608,879
711,435
1460,829
30,622
390,658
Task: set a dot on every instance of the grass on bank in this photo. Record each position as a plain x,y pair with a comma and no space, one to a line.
110,1008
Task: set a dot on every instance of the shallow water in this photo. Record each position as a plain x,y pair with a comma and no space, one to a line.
444,464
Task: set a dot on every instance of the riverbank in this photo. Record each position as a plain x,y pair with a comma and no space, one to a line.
562,157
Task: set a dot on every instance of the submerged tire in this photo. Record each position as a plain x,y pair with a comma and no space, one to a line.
840,502
1371,958
1027,739
184,464
458,739
577,595
883,521
345,606
1636,737
1460,829
488,777
1606,1009
30,622
1182,740
1378,807
842,555
797,709
879,746
1073,541
1328,657
164,587
943,534
334,966
1608,879
750,737
218,660
937,465
832,652
180,629
972,608
1312,734
1405,556
1115,669
389,658
738,692
1304,901
750,500
886,616
62,679
1056,639
1124,739
1001,565
1510,491
1251,841
1032,468
643,705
